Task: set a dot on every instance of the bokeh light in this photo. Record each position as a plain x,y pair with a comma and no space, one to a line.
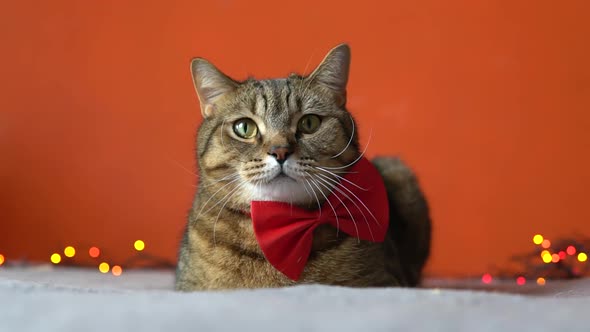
520,280
116,270
562,255
103,267
571,250
55,258
547,258
139,245
1,260
69,251
541,281
555,258
582,257
538,239
546,244
94,252
486,278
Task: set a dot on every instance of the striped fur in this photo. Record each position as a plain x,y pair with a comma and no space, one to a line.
219,250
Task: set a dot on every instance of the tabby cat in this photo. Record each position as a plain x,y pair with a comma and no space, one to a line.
263,140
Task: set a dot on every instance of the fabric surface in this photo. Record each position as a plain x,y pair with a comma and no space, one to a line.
63,299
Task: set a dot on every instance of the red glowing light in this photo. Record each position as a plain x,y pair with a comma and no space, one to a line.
486,278
562,255
555,258
546,244
520,281
94,252
571,250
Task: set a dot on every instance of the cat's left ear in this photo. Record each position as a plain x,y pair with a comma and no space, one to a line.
332,73
211,85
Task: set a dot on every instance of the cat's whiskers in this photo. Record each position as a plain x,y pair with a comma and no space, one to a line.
213,195
353,202
231,194
221,200
215,181
182,166
309,194
310,177
330,188
349,141
353,194
358,158
315,195
341,178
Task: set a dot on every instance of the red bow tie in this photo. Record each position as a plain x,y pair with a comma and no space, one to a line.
285,232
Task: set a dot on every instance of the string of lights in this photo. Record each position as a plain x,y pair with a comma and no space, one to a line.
549,260
140,259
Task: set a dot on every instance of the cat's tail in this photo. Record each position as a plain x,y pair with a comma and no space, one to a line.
410,226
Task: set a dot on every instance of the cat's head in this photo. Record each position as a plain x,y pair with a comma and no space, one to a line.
282,139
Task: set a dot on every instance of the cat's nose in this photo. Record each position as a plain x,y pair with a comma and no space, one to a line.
280,152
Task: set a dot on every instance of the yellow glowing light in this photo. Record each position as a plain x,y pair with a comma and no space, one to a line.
116,270
546,244
55,258
69,251
1,259
538,239
139,245
541,281
547,258
545,252
582,257
103,267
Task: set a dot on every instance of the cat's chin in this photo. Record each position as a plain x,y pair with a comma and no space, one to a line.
280,189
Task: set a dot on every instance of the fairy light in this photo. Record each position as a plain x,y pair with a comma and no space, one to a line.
546,244
94,252
538,239
103,267
486,278
562,255
116,270
1,259
582,257
55,258
555,258
571,250
541,281
520,280
69,251
139,245
547,258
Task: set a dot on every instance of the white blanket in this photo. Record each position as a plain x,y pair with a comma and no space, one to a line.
49,299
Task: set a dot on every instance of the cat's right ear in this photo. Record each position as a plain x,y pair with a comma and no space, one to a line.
210,84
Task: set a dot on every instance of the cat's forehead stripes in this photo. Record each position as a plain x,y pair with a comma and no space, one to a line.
274,102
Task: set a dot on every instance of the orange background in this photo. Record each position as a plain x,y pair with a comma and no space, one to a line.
488,101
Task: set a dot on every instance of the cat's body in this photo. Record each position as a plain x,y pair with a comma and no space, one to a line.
266,140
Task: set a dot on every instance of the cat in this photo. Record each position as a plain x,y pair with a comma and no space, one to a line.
253,127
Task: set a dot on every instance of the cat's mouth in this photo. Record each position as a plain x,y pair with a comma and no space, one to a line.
282,176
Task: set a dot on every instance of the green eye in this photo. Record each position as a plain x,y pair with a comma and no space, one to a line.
245,128
309,123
